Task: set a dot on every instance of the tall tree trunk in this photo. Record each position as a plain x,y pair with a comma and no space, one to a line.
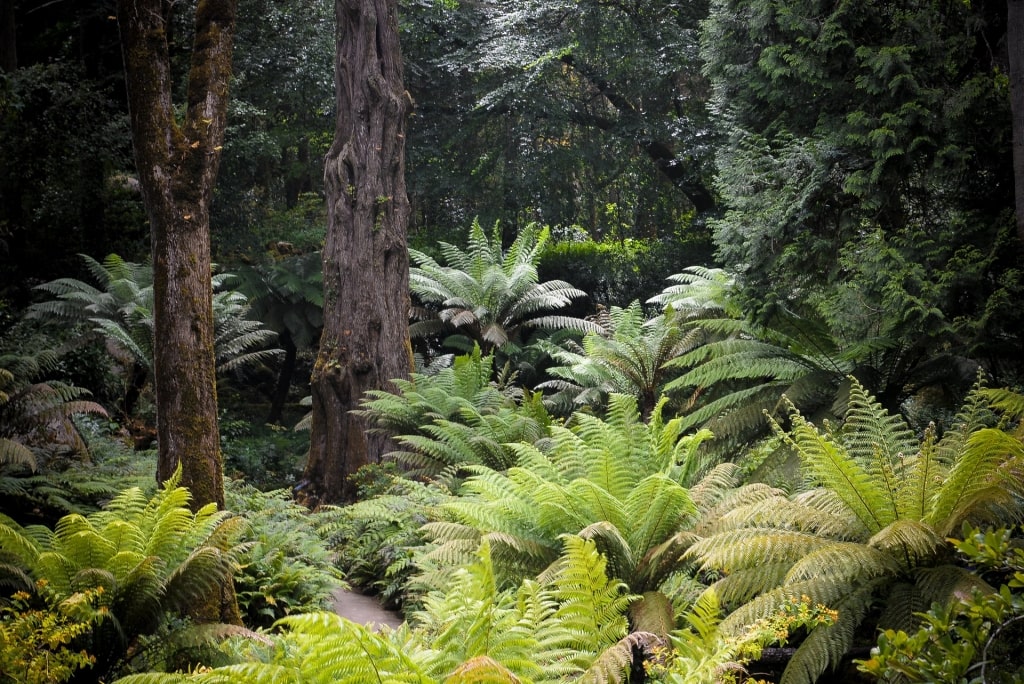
177,167
365,340
1015,47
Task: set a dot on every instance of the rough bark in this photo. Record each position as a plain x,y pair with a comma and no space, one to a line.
177,166
365,339
1015,47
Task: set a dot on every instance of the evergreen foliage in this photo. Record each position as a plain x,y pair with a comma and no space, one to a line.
121,311
569,628
36,415
146,558
570,113
627,357
979,633
488,295
871,529
619,482
286,567
456,417
863,173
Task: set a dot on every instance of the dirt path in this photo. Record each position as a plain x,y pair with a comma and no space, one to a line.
364,609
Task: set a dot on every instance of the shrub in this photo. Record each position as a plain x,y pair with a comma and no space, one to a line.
265,456
377,539
286,567
977,639
616,272
37,644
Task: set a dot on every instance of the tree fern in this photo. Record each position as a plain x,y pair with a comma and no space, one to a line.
456,417
490,297
121,310
36,417
627,357
734,370
872,528
572,627
151,557
617,482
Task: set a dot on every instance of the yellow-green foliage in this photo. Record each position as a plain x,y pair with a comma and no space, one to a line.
144,557
618,481
571,628
37,644
870,529
704,654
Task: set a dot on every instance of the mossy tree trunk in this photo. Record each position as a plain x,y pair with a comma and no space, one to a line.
365,339
177,163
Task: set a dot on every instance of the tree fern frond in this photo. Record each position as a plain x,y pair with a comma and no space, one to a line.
731,510
910,541
974,482
828,463
612,665
1010,403
16,453
843,563
746,548
946,583
15,541
591,607
714,486
660,505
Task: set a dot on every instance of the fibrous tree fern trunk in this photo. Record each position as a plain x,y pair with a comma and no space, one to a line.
365,340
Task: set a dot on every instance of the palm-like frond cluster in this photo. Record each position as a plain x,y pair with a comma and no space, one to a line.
121,310
456,417
555,568
149,558
871,528
36,416
629,356
739,372
489,295
720,370
620,482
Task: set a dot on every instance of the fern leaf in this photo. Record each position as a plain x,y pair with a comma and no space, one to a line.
975,484
828,463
